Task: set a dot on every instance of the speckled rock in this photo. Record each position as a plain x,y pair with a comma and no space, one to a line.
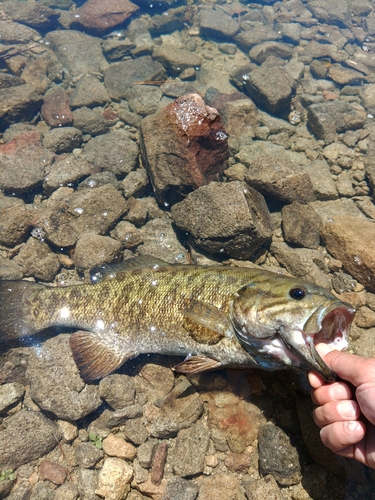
10,394
117,447
62,140
176,60
52,471
19,103
36,259
346,238
183,146
94,121
191,446
217,23
15,223
56,108
95,250
87,455
65,172
217,227
180,489
69,401
301,225
29,435
114,151
90,92
221,485
117,390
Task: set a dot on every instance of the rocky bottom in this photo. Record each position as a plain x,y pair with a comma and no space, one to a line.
148,433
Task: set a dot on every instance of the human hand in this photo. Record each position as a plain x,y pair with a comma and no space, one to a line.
346,409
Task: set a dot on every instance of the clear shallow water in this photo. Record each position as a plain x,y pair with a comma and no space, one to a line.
312,54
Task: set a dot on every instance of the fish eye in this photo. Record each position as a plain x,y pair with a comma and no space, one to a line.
297,293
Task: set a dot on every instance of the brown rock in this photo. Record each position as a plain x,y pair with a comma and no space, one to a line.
99,16
365,317
51,471
183,146
301,225
117,447
238,462
223,486
56,109
347,238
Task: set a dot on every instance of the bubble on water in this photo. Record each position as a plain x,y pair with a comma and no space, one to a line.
221,250
330,220
154,282
162,235
38,233
370,115
365,48
76,15
357,260
92,183
166,204
245,77
105,214
179,257
221,136
78,210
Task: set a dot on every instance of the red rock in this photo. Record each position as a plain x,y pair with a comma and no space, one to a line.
56,110
99,16
184,146
51,471
20,141
238,462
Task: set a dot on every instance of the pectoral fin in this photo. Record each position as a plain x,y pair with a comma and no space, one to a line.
205,323
197,364
96,356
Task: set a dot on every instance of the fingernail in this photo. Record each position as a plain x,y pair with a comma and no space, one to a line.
346,409
323,349
352,425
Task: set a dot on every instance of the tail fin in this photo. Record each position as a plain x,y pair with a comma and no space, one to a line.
16,318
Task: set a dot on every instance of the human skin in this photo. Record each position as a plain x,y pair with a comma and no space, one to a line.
346,409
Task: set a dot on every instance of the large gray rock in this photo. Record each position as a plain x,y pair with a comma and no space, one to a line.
18,103
28,436
256,35
121,76
276,172
217,23
176,60
191,447
270,89
337,13
327,119
225,218
48,366
77,52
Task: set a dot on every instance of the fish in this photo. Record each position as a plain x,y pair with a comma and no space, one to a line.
212,316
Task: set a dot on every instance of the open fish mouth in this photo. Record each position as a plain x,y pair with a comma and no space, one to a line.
331,324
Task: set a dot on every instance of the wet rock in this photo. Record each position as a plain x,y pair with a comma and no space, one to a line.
87,483
36,259
69,401
29,435
15,223
240,118
337,13
219,228
264,488
117,390
114,151
277,456
181,408
90,92
301,225
143,100
77,52
69,214
303,263
262,51
368,97
98,17
146,452
180,489
95,250
35,15
19,103
67,491
135,183
62,140
17,33
65,172
7,80
22,163
346,238
87,455
127,234
276,172
155,382
255,36
42,492
175,20
160,240
120,416
117,447
270,90
191,447
119,77
9,270
324,187
138,212
135,431
328,119
56,108
52,471
94,121
176,60
217,23
345,76
117,49
183,146
221,485
10,394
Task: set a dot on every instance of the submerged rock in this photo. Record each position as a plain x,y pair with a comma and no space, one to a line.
236,227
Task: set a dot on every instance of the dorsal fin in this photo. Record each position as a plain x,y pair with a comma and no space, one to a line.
110,271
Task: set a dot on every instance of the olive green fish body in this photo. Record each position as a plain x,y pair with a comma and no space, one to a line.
216,316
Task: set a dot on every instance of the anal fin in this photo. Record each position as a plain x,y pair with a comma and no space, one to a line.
197,364
96,356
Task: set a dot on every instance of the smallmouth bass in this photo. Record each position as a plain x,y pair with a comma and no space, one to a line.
214,316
